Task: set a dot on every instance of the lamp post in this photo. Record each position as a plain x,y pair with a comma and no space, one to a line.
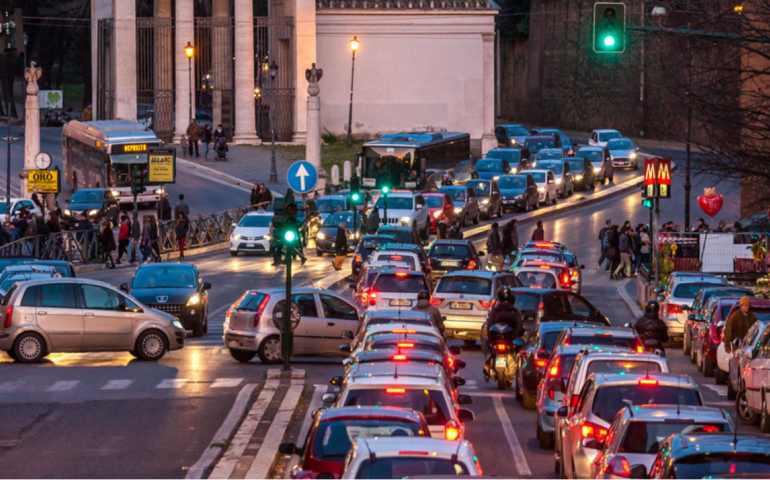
354,44
8,27
189,50
273,72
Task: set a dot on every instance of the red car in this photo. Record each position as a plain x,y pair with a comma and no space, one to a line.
440,206
334,431
707,332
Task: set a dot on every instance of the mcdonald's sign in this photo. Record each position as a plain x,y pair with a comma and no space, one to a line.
657,178
664,178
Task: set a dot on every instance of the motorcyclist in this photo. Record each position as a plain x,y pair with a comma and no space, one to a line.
423,305
650,327
503,311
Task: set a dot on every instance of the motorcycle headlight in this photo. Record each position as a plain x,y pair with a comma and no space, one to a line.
321,236
633,155
597,169
558,181
93,213
496,178
178,324
458,209
541,189
578,177
237,236
485,201
194,300
67,212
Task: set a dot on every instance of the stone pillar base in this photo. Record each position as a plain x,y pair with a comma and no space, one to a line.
488,142
299,138
246,139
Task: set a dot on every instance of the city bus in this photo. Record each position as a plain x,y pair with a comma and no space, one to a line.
412,160
102,154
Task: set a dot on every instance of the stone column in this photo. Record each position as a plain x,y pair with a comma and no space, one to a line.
488,140
31,125
185,32
163,101
313,144
99,9
125,59
305,46
222,56
245,113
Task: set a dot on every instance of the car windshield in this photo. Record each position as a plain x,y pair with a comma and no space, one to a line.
250,301
539,177
395,203
591,155
372,243
688,290
395,257
576,165
622,144
512,155
329,205
85,196
647,437
714,464
395,283
536,145
605,136
410,467
256,221
622,366
167,276
555,167
481,187
611,398
450,250
512,183
517,131
600,339
336,218
456,194
484,165
537,279
467,285
430,403
434,201
550,154
334,438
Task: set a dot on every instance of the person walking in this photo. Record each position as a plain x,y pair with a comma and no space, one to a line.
181,207
193,134
738,324
145,239
613,249
510,239
107,241
373,222
603,243
135,241
256,195
539,234
624,247
340,247
636,246
182,228
29,235
164,208
206,136
154,239
644,250
124,236
495,247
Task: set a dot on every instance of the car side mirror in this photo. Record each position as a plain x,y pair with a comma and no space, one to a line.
345,348
289,448
482,253
562,412
661,298
464,399
593,444
347,334
124,287
465,415
329,397
455,350
336,381
638,471
556,384
458,381
206,286
737,342
459,364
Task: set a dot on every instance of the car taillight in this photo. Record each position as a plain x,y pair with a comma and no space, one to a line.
639,346
554,370
452,430
485,303
358,258
592,430
716,335
401,330
648,382
8,313
395,391
565,280
436,301
540,311
405,345
261,309
399,358
471,264
574,273
674,308
619,467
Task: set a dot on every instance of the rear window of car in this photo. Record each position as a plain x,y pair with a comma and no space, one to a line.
537,279
392,343
402,236
621,366
716,464
410,467
372,243
689,290
395,257
450,250
431,403
334,438
576,165
250,301
549,256
647,437
535,145
527,301
468,285
591,155
436,201
600,340
611,398
399,284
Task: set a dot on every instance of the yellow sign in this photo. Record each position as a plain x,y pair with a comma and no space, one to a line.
674,247
134,148
161,166
43,181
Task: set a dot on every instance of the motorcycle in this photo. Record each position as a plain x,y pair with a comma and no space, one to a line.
221,149
650,345
501,366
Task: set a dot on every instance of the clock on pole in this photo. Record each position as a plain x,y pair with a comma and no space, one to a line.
43,161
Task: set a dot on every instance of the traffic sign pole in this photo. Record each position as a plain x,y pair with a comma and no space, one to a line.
287,333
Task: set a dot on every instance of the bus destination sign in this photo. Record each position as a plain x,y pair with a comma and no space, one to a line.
161,165
44,181
131,148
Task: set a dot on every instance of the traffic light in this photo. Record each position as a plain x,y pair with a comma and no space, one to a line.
647,203
609,27
290,227
385,190
355,190
137,180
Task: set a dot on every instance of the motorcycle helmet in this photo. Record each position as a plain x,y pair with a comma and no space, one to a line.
423,295
504,294
652,308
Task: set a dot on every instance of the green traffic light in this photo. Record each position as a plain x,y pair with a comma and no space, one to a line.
385,189
609,41
356,197
289,236
647,203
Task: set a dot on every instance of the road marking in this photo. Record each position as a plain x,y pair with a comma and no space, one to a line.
630,303
117,385
62,386
315,402
721,390
172,383
226,382
8,387
520,461
224,433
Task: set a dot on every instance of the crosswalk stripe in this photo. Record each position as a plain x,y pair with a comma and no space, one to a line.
172,383
62,386
226,382
117,385
8,387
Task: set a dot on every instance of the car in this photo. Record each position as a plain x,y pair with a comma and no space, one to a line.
372,334
14,270
544,305
551,391
325,239
450,255
20,277
707,334
333,430
48,315
174,288
752,399
539,274
741,355
410,248
547,154
95,202
406,342
464,298
62,267
16,206
535,143
411,458
365,247
545,245
329,204
565,140
519,192
619,337
711,455
384,255
511,134
488,197
449,364
600,137
440,207
490,168
369,272
250,330
624,153
397,289
681,291
562,172
576,271
583,175
603,395
636,435
403,235
547,190
695,311
601,161
544,254
465,202
518,158
407,209
252,233
394,318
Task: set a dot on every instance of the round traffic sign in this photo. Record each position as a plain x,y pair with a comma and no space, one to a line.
302,177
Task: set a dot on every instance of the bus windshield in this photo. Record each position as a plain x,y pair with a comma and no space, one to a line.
389,165
122,165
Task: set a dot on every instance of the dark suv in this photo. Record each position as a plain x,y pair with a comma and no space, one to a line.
547,305
450,255
95,202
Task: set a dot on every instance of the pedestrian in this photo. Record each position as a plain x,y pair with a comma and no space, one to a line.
182,228
145,239
373,222
57,209
53,223
539,234
164,208
636,248
613,249
21,222
36,200
513,225
507,240
455,233
14,233
193,134
30,235
124,236
107,241
86,229
135,242
206,136
219,133
182,145
702,226
266,196
256,195
154,239
738,324
624,247
645,249
495,247
603,243
181,207
340,247
722,227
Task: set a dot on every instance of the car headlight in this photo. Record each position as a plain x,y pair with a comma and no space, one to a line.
458,209
534,163
514,170
178,324
194,300
237,236
541,189
485,201
160,191
321,236
597,169
519,197
67,212
558,181
496,178
437,214
267,237
578,177
633,155
114,193
513,141
405,220
93,213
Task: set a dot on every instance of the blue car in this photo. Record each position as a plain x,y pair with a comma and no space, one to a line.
511,134
490,168
518,192
566,143
518,158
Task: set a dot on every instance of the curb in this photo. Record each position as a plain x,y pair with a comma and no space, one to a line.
630,303
195,251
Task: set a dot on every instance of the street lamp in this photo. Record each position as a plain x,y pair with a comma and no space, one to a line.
189,50
354,44
26,41
273,72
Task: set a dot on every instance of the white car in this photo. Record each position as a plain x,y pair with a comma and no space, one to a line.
406,209
409,258
397,289
16,205
623,153
681,291
252,233
752,399
547,190
600,137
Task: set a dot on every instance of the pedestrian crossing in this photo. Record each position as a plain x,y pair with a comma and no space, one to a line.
112,385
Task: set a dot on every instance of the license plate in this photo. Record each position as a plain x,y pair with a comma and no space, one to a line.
450,264
460,305
508,202
400,303
233,344
501,362
250,245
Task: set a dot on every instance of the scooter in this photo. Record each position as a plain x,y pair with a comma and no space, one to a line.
501,366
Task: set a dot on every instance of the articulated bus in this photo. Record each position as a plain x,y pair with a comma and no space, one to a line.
411,160
102,154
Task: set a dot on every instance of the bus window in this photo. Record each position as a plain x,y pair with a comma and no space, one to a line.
121,166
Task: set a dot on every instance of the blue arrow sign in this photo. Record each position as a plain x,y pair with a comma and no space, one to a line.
302,177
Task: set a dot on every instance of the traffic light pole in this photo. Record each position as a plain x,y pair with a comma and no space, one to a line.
385,217
286,334
655,242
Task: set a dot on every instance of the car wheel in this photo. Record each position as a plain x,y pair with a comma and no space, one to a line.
233,253
699,360
720,377
151,345
319,253
29,347
687,342
270,350
764,422
731,393
746,416
243,356
545,440
708,366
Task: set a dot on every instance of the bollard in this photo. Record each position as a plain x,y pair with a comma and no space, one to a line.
335,175
346,171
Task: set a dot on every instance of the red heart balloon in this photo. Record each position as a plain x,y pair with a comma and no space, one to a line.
710,205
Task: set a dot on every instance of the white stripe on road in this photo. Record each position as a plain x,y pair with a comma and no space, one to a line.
520,461
224,433
117,385
720,390
8,387
172,383
315,402
62,386
226,382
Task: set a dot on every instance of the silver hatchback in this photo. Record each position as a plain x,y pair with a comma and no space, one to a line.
77,315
